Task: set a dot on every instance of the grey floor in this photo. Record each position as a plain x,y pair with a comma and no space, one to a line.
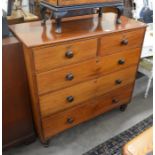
83,137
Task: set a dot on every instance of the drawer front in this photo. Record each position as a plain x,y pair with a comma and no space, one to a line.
66,76
60,55
115,80
118,61
121,41
69,97
69,118
65,98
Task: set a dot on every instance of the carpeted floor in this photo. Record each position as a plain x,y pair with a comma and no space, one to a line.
114,145
86,136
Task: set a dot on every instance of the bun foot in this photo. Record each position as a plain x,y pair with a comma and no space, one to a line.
123,107
46,143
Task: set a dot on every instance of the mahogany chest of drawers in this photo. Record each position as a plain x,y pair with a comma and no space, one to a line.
87,70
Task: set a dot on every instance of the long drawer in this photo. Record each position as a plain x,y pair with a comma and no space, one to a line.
69,118
121,60
71,96
72,74
115,80
121,41
55,56
66,76
65,98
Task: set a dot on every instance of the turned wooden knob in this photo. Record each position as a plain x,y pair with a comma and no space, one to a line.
121,61
114,101
70,98
124,42
69,54
70,120
118,82
69,77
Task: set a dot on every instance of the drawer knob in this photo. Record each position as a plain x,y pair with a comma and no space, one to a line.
69,54
121,61
118,82
114,101
70,98
124,42
69,77
70,120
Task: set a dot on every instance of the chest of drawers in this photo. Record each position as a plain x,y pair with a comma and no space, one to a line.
81,73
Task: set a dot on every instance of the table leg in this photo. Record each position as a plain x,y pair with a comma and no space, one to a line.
100,12
120,10
58,15
43,15
58,25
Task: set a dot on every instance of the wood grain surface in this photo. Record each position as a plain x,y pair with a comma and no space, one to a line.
56,101
55,56
33,34
69,118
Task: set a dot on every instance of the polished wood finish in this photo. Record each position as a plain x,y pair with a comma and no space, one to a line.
33,91
120,60
56,79
78,2
57,56
73,29
121,41
78,74
109,82
17,121
59,122
56,101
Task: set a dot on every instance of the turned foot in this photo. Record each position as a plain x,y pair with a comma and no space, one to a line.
123,107
46,143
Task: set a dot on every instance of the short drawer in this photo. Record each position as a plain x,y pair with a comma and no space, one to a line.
51,57
118,61
66,76
69,97
121,41
69,118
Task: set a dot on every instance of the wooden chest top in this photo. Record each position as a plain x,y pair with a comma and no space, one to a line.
33,34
